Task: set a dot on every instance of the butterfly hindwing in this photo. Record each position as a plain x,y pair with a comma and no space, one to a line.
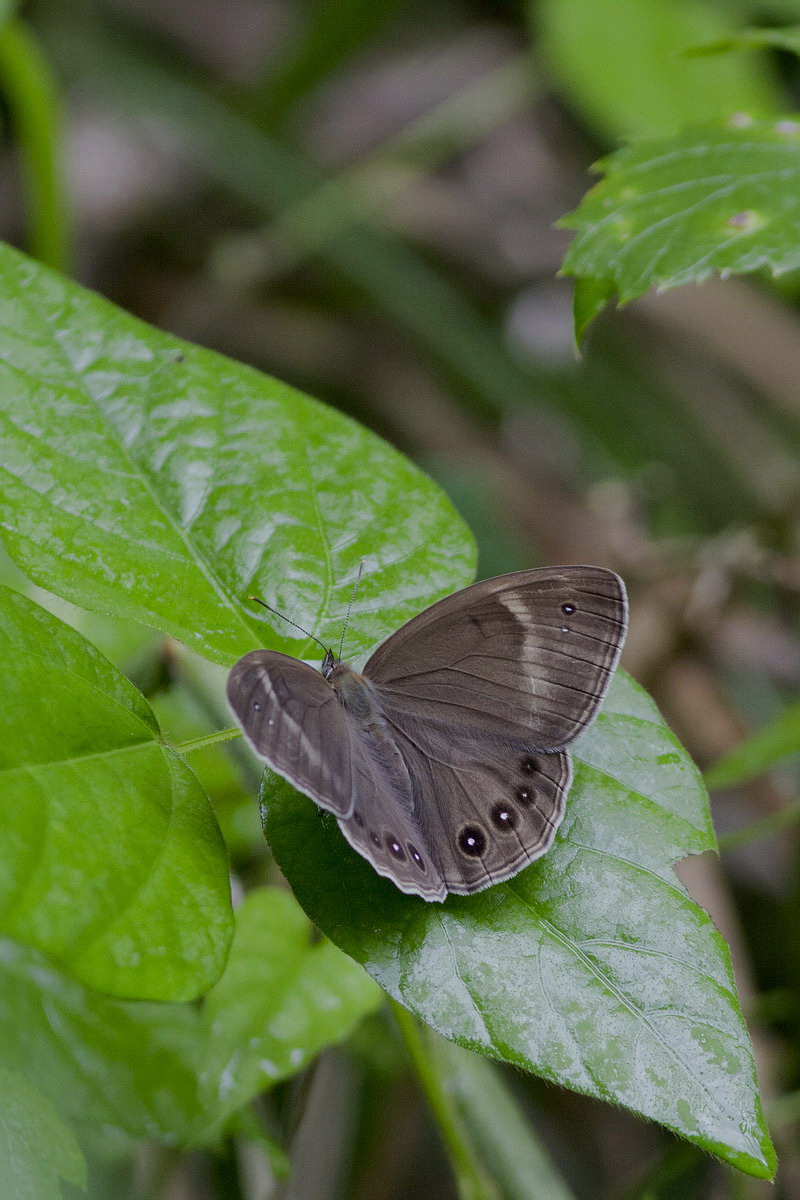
487,807
389,836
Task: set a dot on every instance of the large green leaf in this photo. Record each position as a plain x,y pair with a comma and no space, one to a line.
178,1072
217,482
624,63
284,996
36,1147
672,211
106,1063
111,860
593,967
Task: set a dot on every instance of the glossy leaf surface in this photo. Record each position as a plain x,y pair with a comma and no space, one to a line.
106,1063
217,483
112,862
284,996
592,967
179,1072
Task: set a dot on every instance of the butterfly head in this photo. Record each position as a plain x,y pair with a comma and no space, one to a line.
328,663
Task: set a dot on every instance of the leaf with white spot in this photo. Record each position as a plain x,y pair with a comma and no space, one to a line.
671,211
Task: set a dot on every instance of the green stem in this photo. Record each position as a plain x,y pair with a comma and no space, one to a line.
156,1167
762,828
471,1181
207,739
34,106
193,673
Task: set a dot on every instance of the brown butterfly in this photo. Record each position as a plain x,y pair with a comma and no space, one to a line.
445,760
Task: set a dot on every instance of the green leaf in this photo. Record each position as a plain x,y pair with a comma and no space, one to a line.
106,1063
759,753
591,297
674,210
36,1147
647,84
218,482
112,862
282,999
786,37
178,1072
593,967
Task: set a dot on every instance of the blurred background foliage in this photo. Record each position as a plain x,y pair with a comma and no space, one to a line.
359,197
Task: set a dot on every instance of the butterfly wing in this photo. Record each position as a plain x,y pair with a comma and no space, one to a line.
389,835
293,719
526,656
486,806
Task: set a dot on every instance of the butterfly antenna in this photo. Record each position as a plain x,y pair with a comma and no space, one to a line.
313,637
350,605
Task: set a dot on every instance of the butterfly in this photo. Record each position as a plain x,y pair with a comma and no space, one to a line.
445,760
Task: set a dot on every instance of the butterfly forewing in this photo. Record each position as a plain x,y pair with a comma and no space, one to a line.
293,720
527,655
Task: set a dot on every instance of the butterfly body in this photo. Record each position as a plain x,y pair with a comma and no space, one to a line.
354,692
445,760
361,702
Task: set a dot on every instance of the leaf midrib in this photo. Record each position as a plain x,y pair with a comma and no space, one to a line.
54,763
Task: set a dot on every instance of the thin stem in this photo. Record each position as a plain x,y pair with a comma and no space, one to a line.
194,676
471,1181
207,739
762,828
156,1167
35,110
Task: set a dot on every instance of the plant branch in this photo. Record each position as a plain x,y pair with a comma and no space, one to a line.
34,104
471,1180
